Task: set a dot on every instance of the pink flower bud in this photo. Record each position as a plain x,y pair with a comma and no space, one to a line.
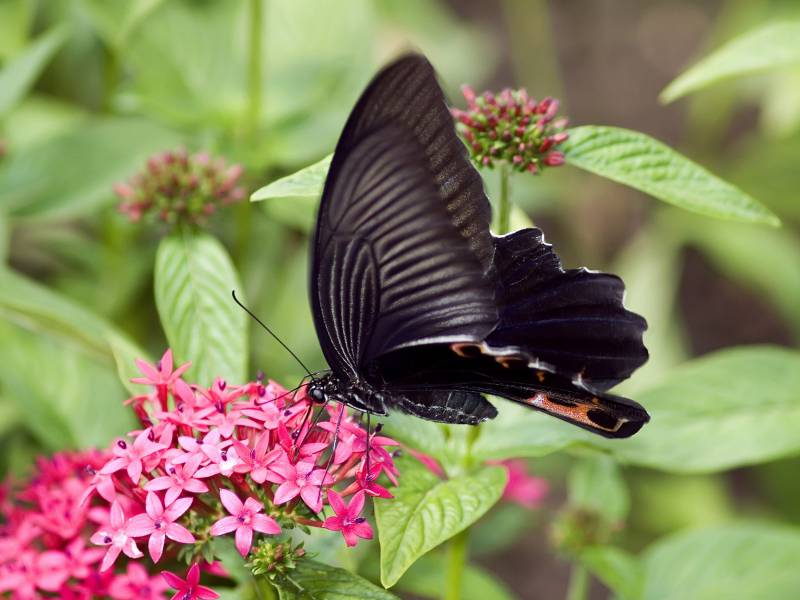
554,159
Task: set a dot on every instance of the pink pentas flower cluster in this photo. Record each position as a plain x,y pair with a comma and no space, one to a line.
247,460
513,128
178,186
44,536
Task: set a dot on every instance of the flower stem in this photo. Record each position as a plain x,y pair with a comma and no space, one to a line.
254,67
578,583
456,558
504,202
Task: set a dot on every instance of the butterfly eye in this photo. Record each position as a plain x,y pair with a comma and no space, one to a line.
317,395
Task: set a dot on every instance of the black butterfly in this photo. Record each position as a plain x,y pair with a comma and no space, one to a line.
418,307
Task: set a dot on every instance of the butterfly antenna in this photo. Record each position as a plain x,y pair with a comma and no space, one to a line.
272,333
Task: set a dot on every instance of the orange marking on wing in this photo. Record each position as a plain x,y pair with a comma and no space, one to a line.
462,350
577,412
540,376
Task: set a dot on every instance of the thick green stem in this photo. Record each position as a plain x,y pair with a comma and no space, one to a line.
254,67
456,559
578,583
504,202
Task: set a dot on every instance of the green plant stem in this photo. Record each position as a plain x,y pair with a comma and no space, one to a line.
456,559
256,14
504,202
578,583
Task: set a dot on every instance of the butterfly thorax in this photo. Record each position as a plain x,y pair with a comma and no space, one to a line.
359,395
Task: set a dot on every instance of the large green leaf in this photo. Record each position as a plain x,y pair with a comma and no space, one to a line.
596,484
21,72
731,408
426,578
73,174
521,432
41,310
741,253
775,45
293,199
621,572
312,580
641,162
16,17
65,397
427,511
194,277
736,562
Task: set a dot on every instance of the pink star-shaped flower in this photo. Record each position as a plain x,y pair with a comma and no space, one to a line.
348,518
225,420
257,460
80,558
179,478
368,482
129,456
303,479
210,446
189,589
116,537
245,518
162,376
137,584
159,523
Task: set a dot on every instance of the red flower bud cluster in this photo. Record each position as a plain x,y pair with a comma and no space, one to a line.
177,186
513,128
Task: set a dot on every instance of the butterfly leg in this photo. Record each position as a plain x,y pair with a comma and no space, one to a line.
333,451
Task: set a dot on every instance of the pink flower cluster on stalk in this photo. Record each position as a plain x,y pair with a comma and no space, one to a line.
245,461
512,128
177,186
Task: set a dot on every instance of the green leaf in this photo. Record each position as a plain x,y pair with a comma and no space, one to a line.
66,398
772,46
620,571
194,277
735,562
39,309
312,580
293,199
741,251
596,484
16,17
427,511
727,409
82,166
21,72
641,162
519,432
426,578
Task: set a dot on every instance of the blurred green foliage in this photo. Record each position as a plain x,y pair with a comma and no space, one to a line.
90,88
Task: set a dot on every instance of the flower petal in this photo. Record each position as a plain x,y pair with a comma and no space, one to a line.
285,492
225,525
253,505
140,525
177,508
230,501
158,484
111,555
336,502
244,539
155,545
179,533
265,524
